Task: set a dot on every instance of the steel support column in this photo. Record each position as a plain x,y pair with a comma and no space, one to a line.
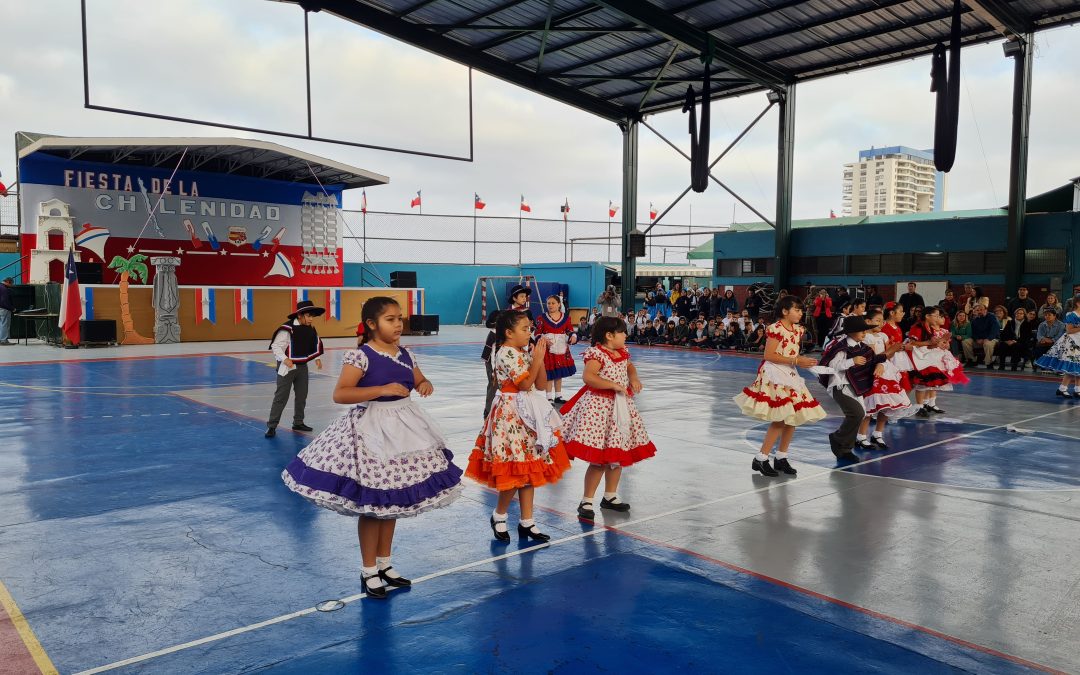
629,211
784,163
1018,159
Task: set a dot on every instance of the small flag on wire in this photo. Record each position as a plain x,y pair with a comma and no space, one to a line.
652,212
478,203
244,305
71,311
525,205
611,209
363,201
205,305
832,214
565,210
333,304
416,200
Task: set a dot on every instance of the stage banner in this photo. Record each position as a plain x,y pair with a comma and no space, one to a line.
229,230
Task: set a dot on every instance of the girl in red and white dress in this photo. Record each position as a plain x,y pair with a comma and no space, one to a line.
602,423
888,397
779,395
555,327
935,367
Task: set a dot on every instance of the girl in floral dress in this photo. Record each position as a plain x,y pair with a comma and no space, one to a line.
521,445
778,395
1064,356
385,458
555,327
602,423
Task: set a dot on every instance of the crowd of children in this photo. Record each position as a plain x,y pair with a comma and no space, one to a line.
385,459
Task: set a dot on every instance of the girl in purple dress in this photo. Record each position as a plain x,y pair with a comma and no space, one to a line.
384,459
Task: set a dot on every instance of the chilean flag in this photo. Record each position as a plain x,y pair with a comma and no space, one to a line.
333,304
416,200
478,203
71,302
832,214
652,212
611,209
525,205
363,201
4,193
416,302
205,306
244,305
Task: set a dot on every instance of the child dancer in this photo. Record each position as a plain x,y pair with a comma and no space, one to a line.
779,395
603,426
488,355
854,365
519,300
381,461
888,397
555,327
935,367
295,344
520,448
1064,356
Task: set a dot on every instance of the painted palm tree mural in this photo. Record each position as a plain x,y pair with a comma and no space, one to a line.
130,268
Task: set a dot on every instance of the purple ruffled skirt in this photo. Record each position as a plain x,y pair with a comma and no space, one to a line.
393,464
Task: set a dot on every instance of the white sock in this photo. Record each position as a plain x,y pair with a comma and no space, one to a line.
1063,387
500,521
371,577
551,396
860,437
781,455
586,500
761,457
879,435
384,566
527,523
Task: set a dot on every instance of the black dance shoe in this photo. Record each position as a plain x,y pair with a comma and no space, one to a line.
531,533
783,466
301,427
559,400
585,510
935,409
923,413
377,593
614,506
501,536
763,467
879,443
864,444
397,582
848,457
270,432
1063,394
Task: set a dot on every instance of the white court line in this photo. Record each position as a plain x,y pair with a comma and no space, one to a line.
554,542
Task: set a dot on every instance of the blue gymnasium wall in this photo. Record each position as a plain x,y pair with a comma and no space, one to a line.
1048,230
15,268
448,287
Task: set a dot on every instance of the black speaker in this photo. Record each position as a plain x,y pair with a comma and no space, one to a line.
402,279
99,331
424,323
89,272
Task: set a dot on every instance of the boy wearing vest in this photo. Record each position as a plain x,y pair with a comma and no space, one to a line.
295,343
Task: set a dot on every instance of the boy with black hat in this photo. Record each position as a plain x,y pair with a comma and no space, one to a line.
854,365
519,300
295,343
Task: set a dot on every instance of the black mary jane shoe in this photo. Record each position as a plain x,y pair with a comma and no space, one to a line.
936,410
301,427
585,510
763,467
879,443
559,400
783,466
377,593
864,445
614,506
1062,394
501,536
396,582
532,533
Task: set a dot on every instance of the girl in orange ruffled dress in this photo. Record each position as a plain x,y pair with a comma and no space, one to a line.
779,395
521,445
603,426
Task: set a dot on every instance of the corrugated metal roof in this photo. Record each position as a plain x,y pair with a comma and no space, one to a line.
605,56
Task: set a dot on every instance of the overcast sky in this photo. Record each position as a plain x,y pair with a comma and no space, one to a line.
242,62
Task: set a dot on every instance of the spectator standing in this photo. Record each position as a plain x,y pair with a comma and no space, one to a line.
911,299
1021,300
977,297
729,303
823,315
873,298
948,305
7,310
752,305
609,302
985,332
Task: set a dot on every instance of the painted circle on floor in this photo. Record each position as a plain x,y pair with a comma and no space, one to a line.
955,454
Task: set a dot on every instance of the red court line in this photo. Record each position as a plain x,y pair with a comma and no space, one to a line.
17,656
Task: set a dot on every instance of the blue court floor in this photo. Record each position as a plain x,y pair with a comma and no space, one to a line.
144,528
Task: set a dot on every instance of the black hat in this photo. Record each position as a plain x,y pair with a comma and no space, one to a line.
855,324
518,288
492,318
306,307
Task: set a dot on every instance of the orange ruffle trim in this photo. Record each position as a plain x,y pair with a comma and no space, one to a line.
512,475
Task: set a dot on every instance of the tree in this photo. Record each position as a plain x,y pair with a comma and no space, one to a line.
133,268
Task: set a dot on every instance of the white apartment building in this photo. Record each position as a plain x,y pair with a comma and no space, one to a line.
892,180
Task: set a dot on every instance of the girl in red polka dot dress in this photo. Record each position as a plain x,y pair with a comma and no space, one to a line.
602,425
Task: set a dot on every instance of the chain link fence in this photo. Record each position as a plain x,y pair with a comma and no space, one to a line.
493,240
9,214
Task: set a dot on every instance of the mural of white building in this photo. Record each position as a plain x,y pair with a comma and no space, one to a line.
54,217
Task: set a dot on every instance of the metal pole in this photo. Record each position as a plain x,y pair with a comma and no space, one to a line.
1018,163
519,237
364,220
629,218
565,239
609,235
474,233
784,170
